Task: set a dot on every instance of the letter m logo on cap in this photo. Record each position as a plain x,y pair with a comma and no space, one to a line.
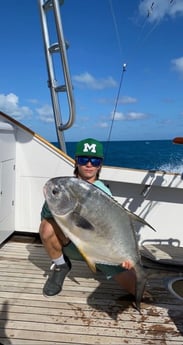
89,148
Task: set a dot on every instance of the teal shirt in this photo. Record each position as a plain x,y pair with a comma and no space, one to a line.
102,186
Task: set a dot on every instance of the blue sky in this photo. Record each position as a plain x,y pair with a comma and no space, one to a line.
103,36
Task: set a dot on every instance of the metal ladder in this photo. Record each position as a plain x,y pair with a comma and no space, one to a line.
50,49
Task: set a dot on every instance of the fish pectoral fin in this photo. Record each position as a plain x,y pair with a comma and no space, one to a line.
81,221
89,262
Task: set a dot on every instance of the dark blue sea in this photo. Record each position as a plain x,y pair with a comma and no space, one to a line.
149,155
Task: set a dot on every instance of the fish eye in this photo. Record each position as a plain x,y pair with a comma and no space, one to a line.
55,190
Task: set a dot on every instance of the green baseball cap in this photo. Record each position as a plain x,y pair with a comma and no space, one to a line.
89,147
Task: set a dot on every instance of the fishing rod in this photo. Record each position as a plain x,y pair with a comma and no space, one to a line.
150,11
115,107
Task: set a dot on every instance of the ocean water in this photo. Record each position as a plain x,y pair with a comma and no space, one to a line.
149,155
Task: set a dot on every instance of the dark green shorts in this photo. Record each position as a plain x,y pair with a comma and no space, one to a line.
45,212
73,253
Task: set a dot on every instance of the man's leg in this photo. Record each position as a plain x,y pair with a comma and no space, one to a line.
127,280
53,240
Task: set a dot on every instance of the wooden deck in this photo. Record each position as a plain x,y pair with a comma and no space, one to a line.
90,310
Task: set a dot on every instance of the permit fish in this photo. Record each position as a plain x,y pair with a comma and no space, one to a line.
97,224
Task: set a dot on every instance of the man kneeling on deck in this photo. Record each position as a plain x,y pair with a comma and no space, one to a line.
88,164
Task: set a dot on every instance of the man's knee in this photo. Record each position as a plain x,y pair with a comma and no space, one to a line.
46,229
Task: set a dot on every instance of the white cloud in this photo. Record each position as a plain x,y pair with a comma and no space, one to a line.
118,116
135,116
127,100
121,100
87,80
45,113
157,10
103,124
131,116
33,101
178,65
10,104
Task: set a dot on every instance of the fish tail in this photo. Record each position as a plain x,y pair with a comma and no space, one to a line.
141,279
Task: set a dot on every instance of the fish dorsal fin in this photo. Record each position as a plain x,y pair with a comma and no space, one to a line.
139,219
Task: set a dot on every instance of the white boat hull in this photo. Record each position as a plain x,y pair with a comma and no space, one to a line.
27,161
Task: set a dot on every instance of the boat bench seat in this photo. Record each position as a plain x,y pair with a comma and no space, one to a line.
163,253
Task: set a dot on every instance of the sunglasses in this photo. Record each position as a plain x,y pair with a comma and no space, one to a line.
95,161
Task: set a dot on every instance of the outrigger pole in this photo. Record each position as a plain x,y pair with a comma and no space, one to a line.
50,49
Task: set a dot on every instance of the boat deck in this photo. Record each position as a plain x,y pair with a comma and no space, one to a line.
90,309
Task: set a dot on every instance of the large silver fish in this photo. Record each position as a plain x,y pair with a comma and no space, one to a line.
98,225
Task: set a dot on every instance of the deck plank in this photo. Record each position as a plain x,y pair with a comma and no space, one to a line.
90,309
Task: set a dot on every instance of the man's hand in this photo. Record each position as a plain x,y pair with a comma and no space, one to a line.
127,264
